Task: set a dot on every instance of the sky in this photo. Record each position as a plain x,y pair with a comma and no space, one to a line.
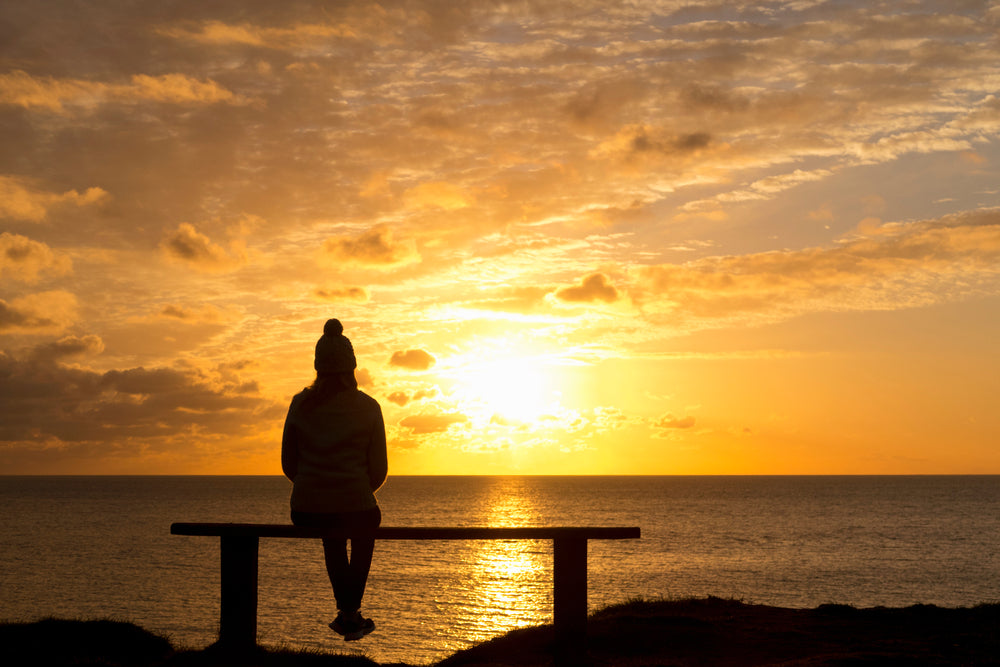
564,237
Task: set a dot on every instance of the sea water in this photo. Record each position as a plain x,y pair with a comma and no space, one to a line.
99,547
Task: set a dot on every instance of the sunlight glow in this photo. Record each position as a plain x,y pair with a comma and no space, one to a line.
516,389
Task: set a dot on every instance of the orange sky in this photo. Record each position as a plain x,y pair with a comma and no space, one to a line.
582,237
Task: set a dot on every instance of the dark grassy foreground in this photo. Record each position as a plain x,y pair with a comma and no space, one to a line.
708,631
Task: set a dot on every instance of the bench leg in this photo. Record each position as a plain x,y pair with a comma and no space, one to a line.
238,618
569,592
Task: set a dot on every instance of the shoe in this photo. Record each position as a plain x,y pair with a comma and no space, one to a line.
339,625
366,626
352,626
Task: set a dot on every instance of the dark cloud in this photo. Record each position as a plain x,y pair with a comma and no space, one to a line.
416,360
12,317
40,312
26,260
595,287
375,247
42,400
176,312
68,346
189,245
602,102
700,97
643,140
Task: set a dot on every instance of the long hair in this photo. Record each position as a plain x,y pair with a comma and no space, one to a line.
327,385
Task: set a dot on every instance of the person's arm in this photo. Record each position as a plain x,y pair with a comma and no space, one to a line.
289,449
378,461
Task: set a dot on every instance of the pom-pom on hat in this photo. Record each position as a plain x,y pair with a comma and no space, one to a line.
334,353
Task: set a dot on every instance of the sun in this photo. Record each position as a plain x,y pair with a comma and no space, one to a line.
515,389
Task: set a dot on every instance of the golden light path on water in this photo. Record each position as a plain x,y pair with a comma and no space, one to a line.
509,581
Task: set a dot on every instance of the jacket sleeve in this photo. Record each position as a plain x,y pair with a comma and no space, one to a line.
378,462
289,448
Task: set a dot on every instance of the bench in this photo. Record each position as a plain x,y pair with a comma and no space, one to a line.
239,547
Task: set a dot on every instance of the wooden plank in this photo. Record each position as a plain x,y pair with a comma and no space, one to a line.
415,532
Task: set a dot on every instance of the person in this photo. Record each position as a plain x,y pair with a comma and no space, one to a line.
333,450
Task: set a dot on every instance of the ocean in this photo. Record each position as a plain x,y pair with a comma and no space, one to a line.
99,547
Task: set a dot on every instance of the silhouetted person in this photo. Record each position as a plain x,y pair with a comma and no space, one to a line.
333,450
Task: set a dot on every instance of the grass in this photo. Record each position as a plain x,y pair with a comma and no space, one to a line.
639,633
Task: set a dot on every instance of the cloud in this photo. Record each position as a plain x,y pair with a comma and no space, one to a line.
19,200
26,260
364,377
607,419
69,346
342,294
188,245
376,247
42,400
432,423
21,89
669,421
43,312
177,89
248,34
645,142
767,187
895,266
415,360
206,314
401,398
595,287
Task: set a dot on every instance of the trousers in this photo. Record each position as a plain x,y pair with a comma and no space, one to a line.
348,571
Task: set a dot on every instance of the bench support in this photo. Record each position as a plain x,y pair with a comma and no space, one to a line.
569,589
238,614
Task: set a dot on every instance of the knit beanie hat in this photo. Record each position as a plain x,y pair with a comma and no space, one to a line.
334,353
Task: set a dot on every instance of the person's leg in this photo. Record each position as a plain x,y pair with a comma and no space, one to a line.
361,526
348,575
342,576
338,567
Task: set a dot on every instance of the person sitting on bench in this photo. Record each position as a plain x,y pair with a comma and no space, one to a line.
333,450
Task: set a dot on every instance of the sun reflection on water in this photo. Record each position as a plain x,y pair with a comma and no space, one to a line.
509,584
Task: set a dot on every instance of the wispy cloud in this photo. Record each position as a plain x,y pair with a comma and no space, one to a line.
21,89
894,266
